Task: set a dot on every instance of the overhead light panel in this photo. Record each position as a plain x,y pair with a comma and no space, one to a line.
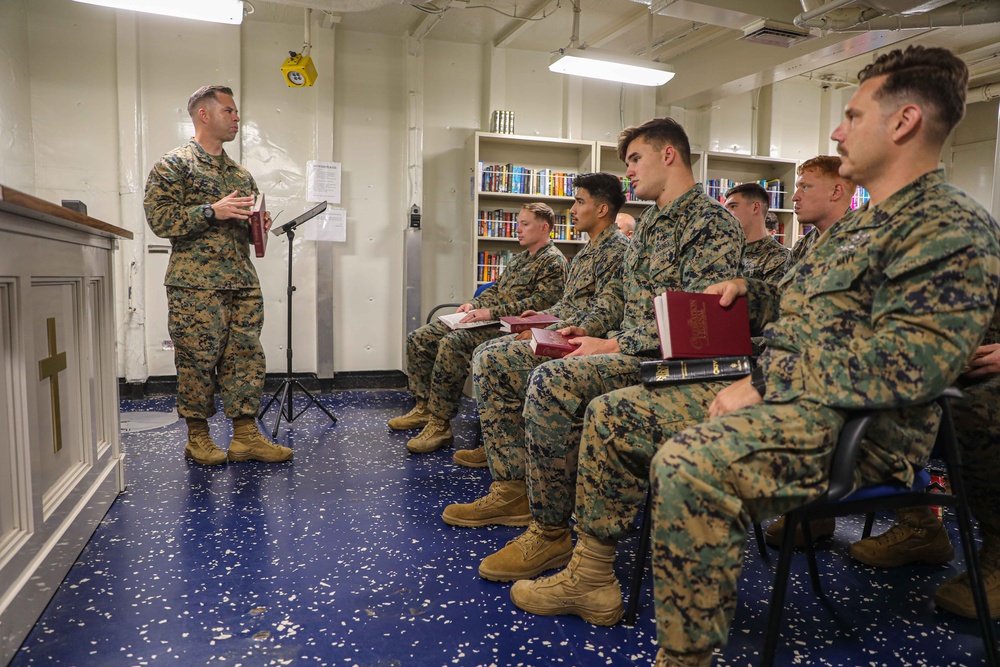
218,11
610,67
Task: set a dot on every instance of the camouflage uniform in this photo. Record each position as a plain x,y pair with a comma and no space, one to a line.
764,259
215,306
437,358
977,429
802,247
882,314
691,243
500,367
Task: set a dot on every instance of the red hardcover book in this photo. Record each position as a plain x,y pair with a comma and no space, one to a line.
257,226
516,324
546,343
693,325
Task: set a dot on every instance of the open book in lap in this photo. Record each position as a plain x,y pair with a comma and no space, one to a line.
454,321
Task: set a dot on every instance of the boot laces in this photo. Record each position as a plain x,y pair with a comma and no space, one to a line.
202,442
529,540
899,533
257,439
434,427
490,498
415,411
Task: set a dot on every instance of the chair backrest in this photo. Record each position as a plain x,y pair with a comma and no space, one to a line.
441,306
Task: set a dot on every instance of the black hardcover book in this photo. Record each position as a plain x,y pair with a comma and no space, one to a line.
673,371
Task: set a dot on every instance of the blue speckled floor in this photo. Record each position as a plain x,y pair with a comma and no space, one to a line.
341,558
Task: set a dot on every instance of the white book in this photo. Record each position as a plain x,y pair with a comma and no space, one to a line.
453,321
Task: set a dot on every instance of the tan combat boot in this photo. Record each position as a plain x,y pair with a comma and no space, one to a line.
916,537
587,587
505,505
200,448
471,458
529,554
664,659
819,528
248,444
435,435
415,418
955,595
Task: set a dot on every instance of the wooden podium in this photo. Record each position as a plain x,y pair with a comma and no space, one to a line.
60,462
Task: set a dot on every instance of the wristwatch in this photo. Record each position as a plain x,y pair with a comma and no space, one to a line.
208,211
757,381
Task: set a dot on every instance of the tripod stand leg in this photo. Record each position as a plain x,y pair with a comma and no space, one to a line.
260,415
315,402
285,387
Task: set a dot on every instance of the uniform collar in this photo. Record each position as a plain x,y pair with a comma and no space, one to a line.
902,198
205,156
677,206
607,233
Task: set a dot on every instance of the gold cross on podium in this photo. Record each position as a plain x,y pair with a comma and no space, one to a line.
50,368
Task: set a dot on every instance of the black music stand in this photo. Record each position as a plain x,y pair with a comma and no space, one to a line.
289,383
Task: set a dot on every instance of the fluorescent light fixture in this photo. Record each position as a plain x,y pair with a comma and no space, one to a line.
219,11
610,67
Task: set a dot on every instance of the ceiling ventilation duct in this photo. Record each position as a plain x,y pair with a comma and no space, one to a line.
775,33
346,6
835,15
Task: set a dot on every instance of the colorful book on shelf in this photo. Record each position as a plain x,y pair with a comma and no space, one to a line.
548,343
257,231
693,325
517,323
673,371
454,321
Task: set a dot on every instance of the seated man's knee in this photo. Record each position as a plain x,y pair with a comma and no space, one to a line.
454,344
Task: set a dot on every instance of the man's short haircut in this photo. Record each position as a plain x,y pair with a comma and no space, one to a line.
752,192
931,77
543,212
827,166
771,221
605,188
204,93
657,133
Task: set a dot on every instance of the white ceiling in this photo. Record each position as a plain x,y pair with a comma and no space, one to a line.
700,38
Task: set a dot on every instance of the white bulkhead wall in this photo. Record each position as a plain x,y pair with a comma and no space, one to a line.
68,129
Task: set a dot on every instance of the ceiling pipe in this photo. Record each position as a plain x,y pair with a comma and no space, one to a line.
343,6
818,12
574,39
985,93
863,19
307,43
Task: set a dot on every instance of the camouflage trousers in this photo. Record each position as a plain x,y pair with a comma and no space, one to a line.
977,427
622,430
500,372
710,481
554,406
216,335
437,364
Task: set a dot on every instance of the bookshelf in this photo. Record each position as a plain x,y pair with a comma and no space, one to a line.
722,171
508,171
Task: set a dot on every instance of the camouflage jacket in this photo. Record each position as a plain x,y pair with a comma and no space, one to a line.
802,247
689,244
598,263
204,255
884,313
764,259
530,282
